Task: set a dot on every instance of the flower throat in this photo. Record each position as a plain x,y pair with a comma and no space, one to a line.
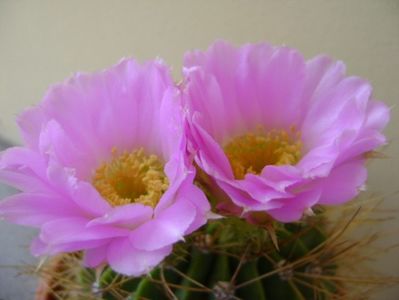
251,152
131,177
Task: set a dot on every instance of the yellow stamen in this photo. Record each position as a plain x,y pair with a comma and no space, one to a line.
251,152
131,177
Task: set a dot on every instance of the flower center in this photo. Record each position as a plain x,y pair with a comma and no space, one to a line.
251,152
131,177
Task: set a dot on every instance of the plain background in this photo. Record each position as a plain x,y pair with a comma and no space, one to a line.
43,42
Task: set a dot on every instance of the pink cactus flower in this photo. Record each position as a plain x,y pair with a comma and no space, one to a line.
105,169
277,133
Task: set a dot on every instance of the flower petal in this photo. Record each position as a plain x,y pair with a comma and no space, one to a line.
168,227
95,256
343,183
126,259
229,86
128,216
86,197
39,247
24,169
35,209
74,229
293,208
30,123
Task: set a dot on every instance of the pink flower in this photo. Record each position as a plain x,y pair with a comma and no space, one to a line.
104,169
278,133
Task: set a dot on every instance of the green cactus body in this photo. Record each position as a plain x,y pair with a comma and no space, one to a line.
232,259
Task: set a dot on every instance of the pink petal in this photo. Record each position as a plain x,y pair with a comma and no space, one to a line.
105,103
322,75
331,112
191,193
293,208
261,189
30,123
377,115
55,142
23,169
35,209
344,183
238,195
178,172
39,247
209,154
171,118
241,79
74,229
168,227
87,197
95,256
126,259
128,216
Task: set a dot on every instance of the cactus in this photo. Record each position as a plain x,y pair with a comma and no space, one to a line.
231,258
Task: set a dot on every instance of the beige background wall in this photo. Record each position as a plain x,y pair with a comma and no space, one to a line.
42,42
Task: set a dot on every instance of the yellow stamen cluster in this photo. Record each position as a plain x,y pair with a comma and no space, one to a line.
251,152
131,177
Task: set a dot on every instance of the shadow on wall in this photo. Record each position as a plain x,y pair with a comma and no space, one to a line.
14,251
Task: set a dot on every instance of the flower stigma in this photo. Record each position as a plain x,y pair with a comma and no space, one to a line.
251,152
131,177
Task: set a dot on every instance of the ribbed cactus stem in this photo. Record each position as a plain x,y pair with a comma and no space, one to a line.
231,259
